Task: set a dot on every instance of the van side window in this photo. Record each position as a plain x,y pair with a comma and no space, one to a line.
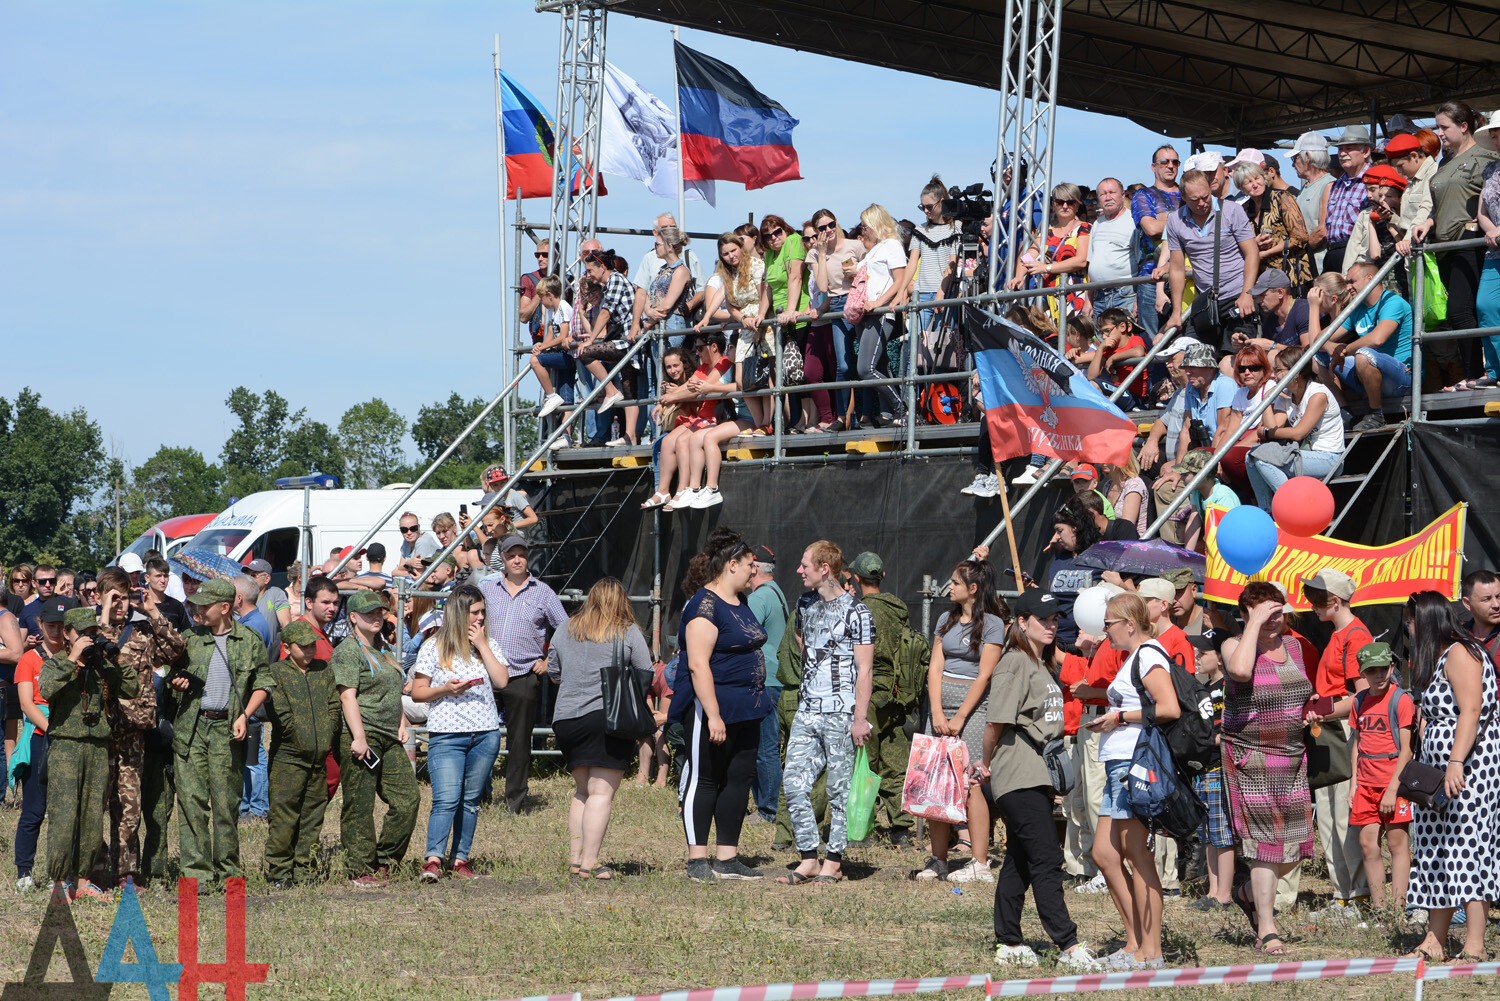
277,547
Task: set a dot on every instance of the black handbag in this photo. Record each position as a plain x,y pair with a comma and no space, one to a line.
1423,784
626,713
1328,761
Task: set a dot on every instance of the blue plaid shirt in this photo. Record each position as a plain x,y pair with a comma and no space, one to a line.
520,623
1346,197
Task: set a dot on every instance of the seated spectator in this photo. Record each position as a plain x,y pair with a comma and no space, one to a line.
1080,340
1119,353
1281,315
693,410
1312,426
551,356
1371,353
1280,230
517,504
1380,226
1109,529
1126,493
1251,370
1209,392
1185,526
1166,433
1085,480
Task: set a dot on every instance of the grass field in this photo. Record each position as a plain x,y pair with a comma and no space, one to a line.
528,929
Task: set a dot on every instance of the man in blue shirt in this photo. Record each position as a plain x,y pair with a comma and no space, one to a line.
769,606
1371,353
1208,392
255,799
1150,207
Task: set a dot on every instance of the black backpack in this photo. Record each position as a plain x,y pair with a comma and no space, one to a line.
1191,735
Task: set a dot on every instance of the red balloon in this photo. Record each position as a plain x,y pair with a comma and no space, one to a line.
1302,506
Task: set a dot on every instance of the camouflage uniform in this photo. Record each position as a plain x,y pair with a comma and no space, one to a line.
304,722
888,745
209,761
152,643
789,673
78,761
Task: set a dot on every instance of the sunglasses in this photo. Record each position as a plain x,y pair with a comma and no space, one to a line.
1251,368
410,528
1113,622
926,207
827,226
542,253
45,580
91,590
1063,201
19,580
1162,163
774,233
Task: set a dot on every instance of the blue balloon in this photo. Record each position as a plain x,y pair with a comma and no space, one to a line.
1246,538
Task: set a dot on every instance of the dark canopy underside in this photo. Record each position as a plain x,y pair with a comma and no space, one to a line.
1234,72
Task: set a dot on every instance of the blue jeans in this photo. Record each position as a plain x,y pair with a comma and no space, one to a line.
768,760
1488,308
561,370
1265,478
590,422
845,359
1114,298
256,797
1145,312
458,765
1395,378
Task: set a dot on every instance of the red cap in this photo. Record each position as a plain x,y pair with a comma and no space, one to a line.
1383,174
1400,143
1085,472
346,552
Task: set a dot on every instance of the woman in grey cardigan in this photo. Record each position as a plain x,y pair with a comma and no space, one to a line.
597,761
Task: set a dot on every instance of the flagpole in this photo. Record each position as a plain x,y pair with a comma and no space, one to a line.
681,154
1010,530
509,358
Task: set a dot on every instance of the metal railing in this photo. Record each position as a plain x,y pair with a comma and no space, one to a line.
1419,333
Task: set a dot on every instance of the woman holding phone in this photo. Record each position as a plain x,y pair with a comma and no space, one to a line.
456,673
371,759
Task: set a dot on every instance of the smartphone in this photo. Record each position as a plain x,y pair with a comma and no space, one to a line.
1323,705
371,760
463,509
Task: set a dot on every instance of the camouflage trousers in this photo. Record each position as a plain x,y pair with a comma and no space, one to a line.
819,741
77,772
299,799
158,794
127,762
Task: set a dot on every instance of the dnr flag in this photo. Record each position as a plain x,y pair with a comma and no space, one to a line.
730,130
1036,402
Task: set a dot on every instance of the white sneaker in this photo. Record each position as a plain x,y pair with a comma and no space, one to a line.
564,441
1095,885
972,490
1119,960
990,487
976,871
25,884
1016,955
708,497
1026,479
549,403
620,442
1079,960
682,501
936,869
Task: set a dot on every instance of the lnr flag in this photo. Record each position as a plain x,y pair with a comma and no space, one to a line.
1037,402
529,144
730,130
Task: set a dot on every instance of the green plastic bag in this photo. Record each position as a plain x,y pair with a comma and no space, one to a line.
864,789
1434,295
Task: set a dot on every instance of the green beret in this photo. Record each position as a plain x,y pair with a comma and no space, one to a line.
300,633
1374,655
79,619
213,591
366,601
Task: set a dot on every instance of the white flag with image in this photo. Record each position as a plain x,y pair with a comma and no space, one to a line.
639,138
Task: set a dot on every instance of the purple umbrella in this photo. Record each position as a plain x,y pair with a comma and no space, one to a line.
1151,558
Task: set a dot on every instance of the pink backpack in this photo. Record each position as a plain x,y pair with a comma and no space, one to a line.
854,305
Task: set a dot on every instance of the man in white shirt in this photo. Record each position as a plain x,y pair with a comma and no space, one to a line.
1109,247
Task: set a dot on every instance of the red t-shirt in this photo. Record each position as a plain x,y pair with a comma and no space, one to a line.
1074,668
1138,387
1175,642
704,411
1373,725
1106,663
29,668
324,647
1339,664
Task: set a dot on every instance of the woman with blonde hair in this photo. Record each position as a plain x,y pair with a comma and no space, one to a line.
884,266
732,296
1064,256
601,634
1126,490
457,668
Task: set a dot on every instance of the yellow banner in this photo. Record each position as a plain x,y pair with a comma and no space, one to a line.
1431,560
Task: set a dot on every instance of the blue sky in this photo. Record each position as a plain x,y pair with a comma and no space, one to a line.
301,196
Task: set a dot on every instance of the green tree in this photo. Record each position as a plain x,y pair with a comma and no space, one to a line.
371,433
439,425
255,446
312,447
50,464
177,481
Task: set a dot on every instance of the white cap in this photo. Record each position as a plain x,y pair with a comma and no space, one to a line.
1307,142
1254,156
1206,162
1178,346
130,563
1161,590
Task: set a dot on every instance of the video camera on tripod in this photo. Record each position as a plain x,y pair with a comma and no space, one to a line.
969,207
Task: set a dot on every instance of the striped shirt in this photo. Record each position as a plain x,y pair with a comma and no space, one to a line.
935,247
1346,196
519,623
216,687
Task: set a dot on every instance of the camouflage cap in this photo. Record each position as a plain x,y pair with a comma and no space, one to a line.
364,602
1180,577
211,592
299,632
79,619
1374,655
867,566
1193,463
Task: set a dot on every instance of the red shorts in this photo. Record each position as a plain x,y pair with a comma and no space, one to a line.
1364,807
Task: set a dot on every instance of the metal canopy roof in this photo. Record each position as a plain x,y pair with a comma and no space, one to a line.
1232,71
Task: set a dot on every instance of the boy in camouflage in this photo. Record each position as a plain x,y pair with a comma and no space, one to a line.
304,722
78,750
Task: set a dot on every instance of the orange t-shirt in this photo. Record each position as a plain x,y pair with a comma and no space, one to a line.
1106,663
1339,664
1373,725
1074,668
29,668
1175,642
705,411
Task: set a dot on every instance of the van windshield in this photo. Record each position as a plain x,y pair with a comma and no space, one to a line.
139,546
219,540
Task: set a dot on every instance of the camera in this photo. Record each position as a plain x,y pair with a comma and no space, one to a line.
100,650
969,206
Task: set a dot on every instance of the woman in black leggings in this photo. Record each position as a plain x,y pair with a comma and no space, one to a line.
720,705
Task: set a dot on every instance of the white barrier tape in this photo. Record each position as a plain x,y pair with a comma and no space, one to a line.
1460,970
818,989
1259,973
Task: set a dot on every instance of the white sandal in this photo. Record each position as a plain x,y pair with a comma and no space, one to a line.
678,500
656,500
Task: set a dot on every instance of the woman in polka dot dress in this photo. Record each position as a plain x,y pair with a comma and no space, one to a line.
1455,854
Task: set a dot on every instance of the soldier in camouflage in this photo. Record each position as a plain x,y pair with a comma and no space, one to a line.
77,686
304,722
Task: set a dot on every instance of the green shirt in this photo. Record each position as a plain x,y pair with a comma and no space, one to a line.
304,710
776,277
61,684
769,606
377,681
248,671
1023,697
891,619
1455,192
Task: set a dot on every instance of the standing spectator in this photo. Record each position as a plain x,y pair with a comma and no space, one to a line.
1455,206
836,636
521,612
1071,535
27,767
720,704
1265,766
735,285
1215,835
1280,233
965,649
934,245
457,672
1111,242
304,728
832,262
1025,712
666,299
1151,208
884,265
1371,353
1481,597
44,579
1312,421
603,633
1455,856
1062,256
769,607
1226,261
783,291
1343,199
888,746
651,264
372,759
158,577
1487,301
221,679
1380,751
1311,162
1121,837
1406,153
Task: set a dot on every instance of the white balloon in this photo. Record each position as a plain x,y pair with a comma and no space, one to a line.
1088,609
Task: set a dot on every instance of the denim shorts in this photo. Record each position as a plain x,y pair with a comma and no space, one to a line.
1116,805
1395,378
